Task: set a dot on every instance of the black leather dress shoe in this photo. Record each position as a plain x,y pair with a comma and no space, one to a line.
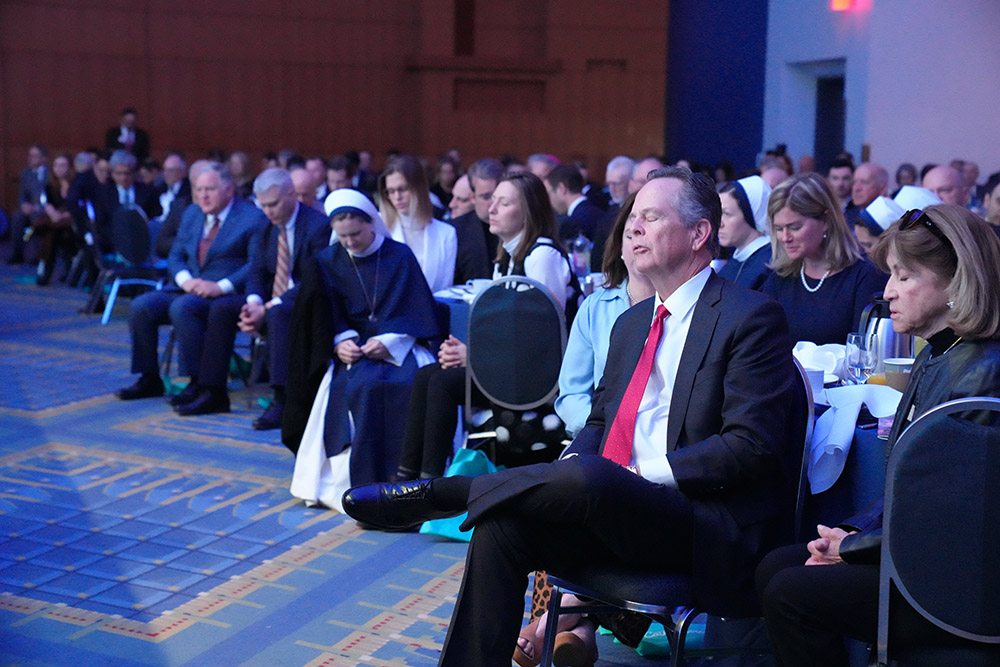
209,401
144,387
186,395
393,507
271,419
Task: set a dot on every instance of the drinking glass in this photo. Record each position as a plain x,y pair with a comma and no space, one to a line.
861,356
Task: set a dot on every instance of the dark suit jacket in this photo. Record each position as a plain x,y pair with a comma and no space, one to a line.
170,225
184,193
586,217
141,147
30,187
229,254
734,438
312,234
472,260
106,203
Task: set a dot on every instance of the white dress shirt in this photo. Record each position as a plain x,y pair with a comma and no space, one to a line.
649,446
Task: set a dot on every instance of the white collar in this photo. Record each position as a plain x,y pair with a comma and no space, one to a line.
576,202
370,250
224,213
743,254
511,246
684,297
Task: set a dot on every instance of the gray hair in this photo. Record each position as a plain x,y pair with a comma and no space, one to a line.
487,170
122,158
83,161
696,201
274,177
621,161
225,176
546,159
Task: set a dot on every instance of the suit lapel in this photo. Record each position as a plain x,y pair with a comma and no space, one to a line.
699,337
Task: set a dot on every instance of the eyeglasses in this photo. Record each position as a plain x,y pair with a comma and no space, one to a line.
917,218
401,190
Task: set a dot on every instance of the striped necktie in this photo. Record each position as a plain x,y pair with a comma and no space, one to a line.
281,268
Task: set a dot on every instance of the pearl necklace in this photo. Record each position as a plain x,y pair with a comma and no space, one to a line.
631,300
802,275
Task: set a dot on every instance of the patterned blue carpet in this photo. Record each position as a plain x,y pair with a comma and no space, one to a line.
129,535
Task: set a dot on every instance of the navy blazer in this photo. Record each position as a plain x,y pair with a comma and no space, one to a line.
735,431
229,254
312,234
106,203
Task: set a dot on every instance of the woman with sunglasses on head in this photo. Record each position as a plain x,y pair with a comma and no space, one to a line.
821,277
944,265
405,205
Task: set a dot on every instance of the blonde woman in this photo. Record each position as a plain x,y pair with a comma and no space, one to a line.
820,277
405,205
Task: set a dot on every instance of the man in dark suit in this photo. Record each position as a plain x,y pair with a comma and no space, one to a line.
123,190
578,214
472,260
483,177
272,283
28,199
209,258
128,136
687,464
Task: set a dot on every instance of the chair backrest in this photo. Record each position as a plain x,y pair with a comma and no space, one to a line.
517,335
940,545
130,234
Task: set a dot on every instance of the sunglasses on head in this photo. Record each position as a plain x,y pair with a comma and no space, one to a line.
917,218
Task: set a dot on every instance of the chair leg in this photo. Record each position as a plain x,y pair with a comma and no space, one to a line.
680,635
551,627
110,305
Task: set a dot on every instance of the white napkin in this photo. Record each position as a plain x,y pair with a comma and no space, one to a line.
829,357
834,429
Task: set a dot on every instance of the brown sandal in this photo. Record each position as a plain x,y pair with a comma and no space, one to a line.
528,634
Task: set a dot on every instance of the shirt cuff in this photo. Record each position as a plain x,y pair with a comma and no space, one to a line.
254,298
657,470
182,277
226,286
274,302
347,335
398,345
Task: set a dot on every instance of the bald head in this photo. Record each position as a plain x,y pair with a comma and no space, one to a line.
947,183
640,173
870,181
305,186
773,176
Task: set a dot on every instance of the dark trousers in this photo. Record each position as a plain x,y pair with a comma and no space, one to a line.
188,313
432,419
544,516
221,325
278,326
810,609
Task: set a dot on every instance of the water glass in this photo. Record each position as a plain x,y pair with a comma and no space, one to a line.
861,356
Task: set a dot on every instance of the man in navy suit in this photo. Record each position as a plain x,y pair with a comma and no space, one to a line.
128,136
28,198
578,214
123,190
271,286
209,258
687,464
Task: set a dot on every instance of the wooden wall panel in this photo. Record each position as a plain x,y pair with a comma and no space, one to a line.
323,77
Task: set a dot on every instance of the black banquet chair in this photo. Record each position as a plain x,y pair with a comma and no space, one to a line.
130,263
940,539
517,336
658,595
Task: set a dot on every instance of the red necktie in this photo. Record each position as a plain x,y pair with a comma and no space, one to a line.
618,446
281,270
206,242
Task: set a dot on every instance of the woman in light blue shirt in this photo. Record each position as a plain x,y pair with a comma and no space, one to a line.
589,338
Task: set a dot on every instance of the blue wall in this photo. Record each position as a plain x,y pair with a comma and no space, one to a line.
715,81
